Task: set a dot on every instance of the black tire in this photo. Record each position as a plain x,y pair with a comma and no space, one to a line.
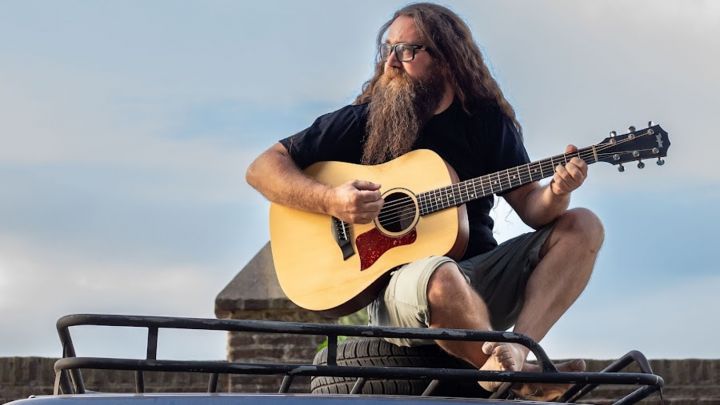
379,353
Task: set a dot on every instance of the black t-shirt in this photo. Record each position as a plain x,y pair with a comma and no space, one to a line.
473,145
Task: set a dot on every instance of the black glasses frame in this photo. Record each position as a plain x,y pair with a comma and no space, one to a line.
398,49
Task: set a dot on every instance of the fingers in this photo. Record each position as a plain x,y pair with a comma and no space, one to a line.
571,176
365,185
358,201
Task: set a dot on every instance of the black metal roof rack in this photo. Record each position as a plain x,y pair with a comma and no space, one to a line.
68,376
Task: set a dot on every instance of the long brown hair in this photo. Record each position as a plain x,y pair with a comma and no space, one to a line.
450,42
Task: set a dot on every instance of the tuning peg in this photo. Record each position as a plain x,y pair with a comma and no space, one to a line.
641,164
650,123
621,168
613,134
660,161
631,128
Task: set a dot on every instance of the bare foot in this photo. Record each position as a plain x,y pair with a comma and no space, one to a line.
547,392
503,357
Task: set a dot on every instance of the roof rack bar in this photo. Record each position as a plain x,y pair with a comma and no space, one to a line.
358,386
213,382
332,350
580,390
430,388
637,395
69,377
152,342
285,384
139,382
62,383
240,325
354,371
68,350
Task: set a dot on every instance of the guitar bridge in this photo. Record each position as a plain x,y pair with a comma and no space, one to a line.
343,237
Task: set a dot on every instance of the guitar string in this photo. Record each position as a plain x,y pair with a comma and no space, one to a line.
410,214
402,203
385,221
407,204
585,153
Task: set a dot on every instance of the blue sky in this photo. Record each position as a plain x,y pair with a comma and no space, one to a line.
127,126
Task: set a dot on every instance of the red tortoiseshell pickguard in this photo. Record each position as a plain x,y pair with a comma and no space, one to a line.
373,244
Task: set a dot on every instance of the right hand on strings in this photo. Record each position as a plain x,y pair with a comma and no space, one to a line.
356,201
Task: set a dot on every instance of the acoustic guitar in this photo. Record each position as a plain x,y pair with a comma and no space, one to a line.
326,265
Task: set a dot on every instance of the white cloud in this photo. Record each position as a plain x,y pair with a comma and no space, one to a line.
668,322
38,285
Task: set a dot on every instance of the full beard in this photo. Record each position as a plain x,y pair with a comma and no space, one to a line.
398,110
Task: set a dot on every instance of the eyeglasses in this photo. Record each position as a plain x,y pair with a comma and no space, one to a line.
403,52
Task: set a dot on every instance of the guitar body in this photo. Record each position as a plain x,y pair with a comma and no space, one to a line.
316,273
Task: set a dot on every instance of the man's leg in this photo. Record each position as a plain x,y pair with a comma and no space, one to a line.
454,304
567,259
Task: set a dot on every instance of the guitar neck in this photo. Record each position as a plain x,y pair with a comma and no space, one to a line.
494,183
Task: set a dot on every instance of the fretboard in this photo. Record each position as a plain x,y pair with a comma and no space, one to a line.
494,183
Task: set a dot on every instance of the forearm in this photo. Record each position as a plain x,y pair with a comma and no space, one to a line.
275,176
544,205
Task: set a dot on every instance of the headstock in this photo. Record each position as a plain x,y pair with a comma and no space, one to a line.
636,145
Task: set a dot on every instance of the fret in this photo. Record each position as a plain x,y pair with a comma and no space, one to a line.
497,182
530,173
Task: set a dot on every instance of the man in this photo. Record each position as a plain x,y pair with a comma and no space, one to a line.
432,89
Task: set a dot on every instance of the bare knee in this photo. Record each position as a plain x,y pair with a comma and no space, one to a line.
582,228
445,282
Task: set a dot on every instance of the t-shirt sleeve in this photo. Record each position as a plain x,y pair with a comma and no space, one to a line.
334,136
509,148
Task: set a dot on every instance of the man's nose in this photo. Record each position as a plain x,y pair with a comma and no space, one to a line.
393,61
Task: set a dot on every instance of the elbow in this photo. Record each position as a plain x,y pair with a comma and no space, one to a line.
269,162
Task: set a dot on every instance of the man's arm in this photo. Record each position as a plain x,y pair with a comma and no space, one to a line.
539,205
276,176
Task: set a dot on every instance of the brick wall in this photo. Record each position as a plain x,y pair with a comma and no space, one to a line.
693,381
269,348
21,377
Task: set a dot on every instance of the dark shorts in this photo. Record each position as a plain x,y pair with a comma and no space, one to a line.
499,276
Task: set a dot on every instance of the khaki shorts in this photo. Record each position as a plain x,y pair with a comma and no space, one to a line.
498,276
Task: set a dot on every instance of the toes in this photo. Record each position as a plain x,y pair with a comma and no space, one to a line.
504,354
489,347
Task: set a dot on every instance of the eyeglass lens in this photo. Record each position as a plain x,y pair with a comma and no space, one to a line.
404,53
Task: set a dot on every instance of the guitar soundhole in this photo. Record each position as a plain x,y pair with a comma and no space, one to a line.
399,213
